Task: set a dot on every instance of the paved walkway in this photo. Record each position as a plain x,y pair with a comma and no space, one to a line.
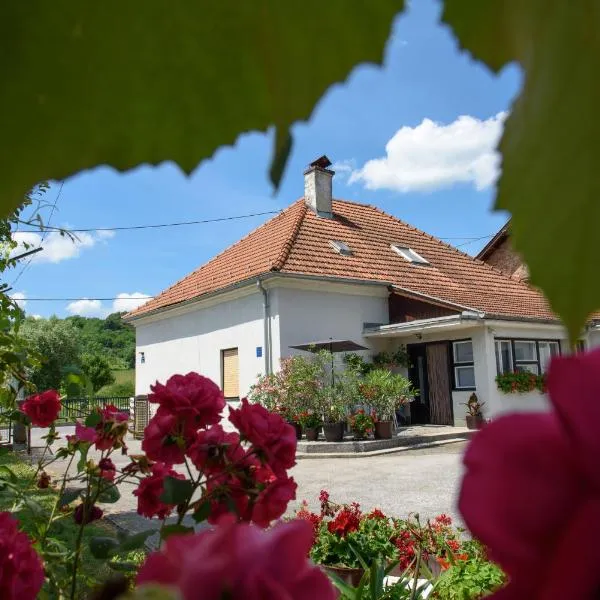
421,480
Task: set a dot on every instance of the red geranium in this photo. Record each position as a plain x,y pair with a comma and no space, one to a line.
272,502
42,409
311,517
190,396
107,469
240,562
273,439
346,520
213,449
166,437
21,570
150,490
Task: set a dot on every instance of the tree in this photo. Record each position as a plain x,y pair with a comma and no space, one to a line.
97,369
58,342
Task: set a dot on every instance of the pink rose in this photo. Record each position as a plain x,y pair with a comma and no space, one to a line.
83,433
240,562
166,437
214,448
271,436
190,396
21,569
42,409
531,492
150,490
272,502
107,469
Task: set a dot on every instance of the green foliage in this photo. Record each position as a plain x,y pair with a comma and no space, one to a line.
118,389
176,491
397,358
385,391
97,369
520,382
469,580
549,147
362,424
58,342
224,68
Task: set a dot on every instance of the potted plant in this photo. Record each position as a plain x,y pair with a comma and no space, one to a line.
362,424
474,416
333,408
311,424
384,392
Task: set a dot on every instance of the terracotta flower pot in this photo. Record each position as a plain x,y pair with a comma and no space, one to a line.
334,432
346,574
384,430
474,422
312,433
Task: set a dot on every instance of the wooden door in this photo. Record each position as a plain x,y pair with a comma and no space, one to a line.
438,375
230,373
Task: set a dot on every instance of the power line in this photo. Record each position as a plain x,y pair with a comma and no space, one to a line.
484,237
155,225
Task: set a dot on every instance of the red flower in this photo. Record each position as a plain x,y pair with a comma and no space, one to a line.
107,469
240,562
166,437
270,435
405,543
42,409
454,545
345,521
84,434
93,513
21,570
150,490
190,396
110,412
272,502
531,489
213,449
111,430
227,495
376,514
312,518
444,519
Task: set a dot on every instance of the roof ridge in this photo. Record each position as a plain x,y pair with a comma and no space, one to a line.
450,246
289,242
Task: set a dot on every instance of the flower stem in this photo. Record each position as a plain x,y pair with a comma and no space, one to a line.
60,493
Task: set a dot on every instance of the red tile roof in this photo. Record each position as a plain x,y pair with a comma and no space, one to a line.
298,242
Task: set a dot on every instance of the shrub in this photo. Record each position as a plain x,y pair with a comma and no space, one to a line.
520,382
384,392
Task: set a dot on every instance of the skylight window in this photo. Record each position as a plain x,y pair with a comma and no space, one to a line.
341,247
409,254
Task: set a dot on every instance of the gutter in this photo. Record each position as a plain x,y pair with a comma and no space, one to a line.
266,325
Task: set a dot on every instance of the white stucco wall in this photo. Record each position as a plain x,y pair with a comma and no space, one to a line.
193,342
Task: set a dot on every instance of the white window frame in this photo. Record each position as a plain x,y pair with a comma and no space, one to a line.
409,254
460,365
533,365
341,247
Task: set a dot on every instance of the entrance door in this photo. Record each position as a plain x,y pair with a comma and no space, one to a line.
417,374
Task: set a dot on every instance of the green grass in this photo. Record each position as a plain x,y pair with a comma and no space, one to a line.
123,377
64,528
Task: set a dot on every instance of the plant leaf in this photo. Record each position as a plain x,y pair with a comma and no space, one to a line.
135,541
109,494
69,495
6,473
202,512
176,491
130,83
83,450
93,419
168,530
550,152
103,546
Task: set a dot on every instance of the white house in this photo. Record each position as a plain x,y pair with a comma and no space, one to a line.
331,269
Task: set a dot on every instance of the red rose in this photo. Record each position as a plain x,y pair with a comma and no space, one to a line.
270,435
107,469
190,396
93,513
112,429
150,490
238,561
166,438
227,496
42,409
214,448
272,502
21,570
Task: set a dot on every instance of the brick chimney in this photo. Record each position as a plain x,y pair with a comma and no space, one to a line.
318,187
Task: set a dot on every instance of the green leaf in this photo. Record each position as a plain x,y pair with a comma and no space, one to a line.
6,473
202,512
168,530
550,147
69,495
109,494
147,89
176,491
93,419
103,546
123,567
83,450
133,542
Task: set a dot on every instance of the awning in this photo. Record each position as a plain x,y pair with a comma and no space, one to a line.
331,345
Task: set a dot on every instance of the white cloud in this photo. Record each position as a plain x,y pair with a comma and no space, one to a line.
56,247
20,298
124,302
344,168
432,156
87,308
127,302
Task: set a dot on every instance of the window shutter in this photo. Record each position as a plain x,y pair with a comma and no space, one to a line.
231,378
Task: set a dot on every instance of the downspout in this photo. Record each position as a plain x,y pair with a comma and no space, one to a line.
267,326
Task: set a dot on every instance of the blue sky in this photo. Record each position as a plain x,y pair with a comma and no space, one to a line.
437,175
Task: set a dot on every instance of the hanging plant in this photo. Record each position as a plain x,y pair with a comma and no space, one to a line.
520,382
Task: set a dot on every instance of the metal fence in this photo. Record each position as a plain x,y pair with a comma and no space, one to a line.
79,408
6,431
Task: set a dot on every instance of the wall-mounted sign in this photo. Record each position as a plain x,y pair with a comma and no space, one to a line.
258,351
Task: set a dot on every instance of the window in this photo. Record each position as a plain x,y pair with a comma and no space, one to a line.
463,365
230,379
341,247
409,254
532,356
